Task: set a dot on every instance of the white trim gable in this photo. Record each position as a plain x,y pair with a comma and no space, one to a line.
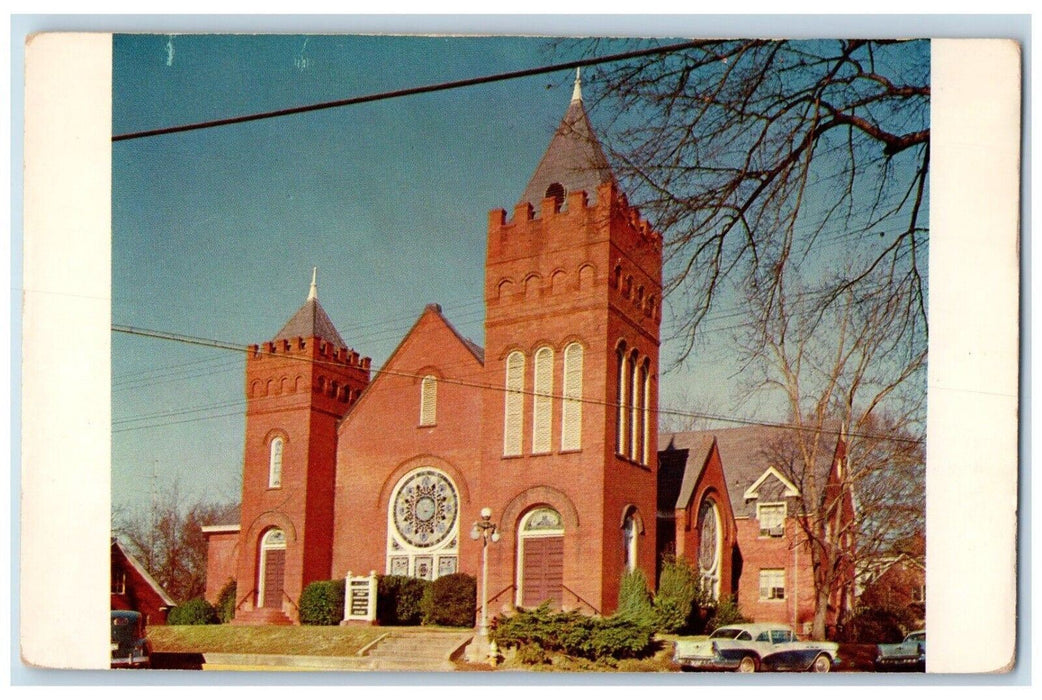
790,488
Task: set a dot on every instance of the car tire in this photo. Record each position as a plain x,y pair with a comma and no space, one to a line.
747,665
822,664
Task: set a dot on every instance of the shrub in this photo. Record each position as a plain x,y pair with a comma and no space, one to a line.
226,603
398,600
634,600
875,625
322,603
570,633
195,612
679,598
450,601
726,612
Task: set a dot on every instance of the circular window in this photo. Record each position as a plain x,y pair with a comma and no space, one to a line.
425,508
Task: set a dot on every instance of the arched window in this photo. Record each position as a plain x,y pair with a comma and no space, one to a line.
636,398
275,463
542,401
629,541
556,190
514,404
572,407
709,546
646,419
429,400
621,393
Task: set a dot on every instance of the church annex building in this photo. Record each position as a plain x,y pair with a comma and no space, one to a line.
552,425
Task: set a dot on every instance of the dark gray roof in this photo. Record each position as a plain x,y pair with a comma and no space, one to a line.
574,159
745,455
311,321
226,518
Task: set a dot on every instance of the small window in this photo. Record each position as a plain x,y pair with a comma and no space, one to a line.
429,400
275,464
772,519
118,580
772,584
556,190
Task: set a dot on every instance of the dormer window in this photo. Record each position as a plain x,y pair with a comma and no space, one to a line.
772,519
555,190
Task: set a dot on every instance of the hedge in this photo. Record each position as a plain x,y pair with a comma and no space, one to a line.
450,601
322,603
571,633
226,603
195,612
398,600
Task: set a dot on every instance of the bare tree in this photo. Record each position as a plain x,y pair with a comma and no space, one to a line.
746,152
168,540
851,377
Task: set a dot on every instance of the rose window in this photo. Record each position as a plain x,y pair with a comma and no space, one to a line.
425,509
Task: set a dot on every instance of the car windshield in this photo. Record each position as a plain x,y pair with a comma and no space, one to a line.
916,637
726,633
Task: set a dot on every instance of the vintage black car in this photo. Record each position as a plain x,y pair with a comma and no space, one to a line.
130,647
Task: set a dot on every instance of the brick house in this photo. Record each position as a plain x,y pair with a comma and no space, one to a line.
132,588
728,486
551,424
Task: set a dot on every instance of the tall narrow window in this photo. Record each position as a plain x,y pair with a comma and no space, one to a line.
542,402
646,418
275,464
621,392
572,407
635,400
429,400
514,404
629,542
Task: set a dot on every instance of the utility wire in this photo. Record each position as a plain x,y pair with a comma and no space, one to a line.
208,342
375,97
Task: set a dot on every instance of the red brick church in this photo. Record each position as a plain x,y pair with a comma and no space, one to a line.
552,424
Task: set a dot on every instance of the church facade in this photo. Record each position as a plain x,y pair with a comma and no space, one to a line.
552,425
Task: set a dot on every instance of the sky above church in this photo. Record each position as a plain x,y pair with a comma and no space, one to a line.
216,231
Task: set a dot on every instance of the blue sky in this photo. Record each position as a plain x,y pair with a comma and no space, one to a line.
215,231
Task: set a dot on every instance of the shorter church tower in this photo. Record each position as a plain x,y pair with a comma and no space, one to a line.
298,387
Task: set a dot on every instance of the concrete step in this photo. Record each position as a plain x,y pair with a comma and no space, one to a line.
261,616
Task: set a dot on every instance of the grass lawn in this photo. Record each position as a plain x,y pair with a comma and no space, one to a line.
294,640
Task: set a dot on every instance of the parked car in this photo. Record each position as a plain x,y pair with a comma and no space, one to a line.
756,647
909,655
130,647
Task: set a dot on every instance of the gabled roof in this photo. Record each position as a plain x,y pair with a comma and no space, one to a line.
226,521
754,490
574,157
746,457
119,552
685,453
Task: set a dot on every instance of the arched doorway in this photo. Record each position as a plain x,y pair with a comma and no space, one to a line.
271,570
423,526
540,570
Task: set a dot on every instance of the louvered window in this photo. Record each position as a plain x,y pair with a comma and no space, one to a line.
542,401
275,464
429,400
622,383
571,407
635,402
514,404
646,417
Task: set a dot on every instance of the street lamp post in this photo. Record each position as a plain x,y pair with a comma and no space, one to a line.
486,531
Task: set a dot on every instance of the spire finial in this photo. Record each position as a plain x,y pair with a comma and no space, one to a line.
313,294
577,91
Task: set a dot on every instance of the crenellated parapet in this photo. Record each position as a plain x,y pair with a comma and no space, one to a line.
292,366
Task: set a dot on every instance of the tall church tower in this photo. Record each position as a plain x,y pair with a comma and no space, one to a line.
298,386
573,288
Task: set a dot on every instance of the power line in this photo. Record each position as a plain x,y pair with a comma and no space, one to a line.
437,87
208,342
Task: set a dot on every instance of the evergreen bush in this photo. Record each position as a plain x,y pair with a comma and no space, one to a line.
398,600
226,602
679,598
450,601
570,633
726,612
322,603
634,600
876,625
195,612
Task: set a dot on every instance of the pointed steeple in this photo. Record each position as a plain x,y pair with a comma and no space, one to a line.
311,321
574,159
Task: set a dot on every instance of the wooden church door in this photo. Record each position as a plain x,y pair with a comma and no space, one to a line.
541,567
272,569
